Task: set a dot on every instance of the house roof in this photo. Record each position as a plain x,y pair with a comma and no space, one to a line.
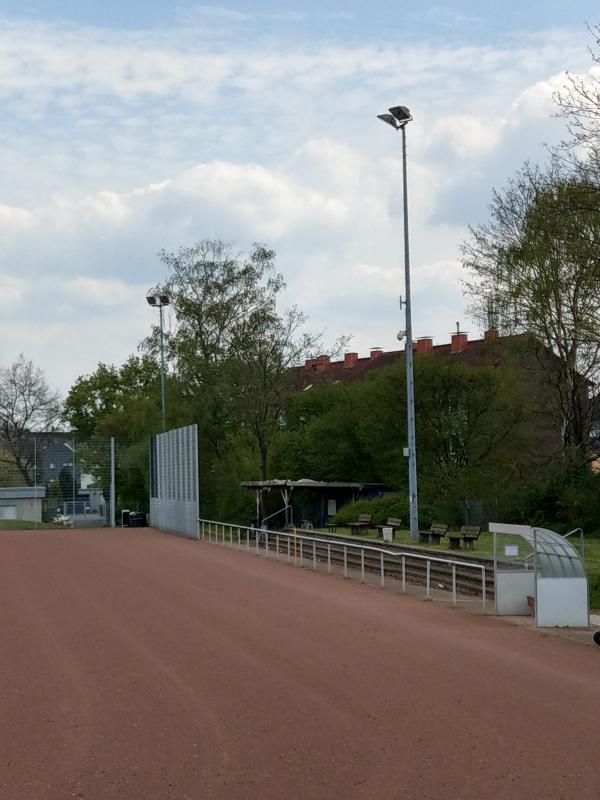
23,493
307,483
478,352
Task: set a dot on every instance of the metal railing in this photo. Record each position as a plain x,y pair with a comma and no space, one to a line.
295,544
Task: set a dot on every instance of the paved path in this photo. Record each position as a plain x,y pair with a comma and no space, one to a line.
139,665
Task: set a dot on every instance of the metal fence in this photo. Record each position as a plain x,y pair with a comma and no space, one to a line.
174,481
56,479
352,559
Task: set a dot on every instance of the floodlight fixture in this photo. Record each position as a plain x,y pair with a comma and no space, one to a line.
401,114
389,119
151,300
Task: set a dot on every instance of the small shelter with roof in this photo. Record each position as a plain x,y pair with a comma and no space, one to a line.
552,580
308,501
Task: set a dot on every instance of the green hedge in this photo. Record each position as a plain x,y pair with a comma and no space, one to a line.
390,505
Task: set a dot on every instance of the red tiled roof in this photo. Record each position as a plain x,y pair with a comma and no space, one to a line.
478,352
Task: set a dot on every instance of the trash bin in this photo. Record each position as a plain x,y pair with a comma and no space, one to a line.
125,514
137,519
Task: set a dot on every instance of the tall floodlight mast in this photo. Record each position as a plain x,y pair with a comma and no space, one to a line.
398,118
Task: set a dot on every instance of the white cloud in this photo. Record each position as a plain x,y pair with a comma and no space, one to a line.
119,144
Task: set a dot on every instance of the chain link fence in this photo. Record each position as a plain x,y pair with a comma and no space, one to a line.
54,480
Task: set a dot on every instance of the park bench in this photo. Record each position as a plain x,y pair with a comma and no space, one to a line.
466,538
362,524
395,523
434,534
470,534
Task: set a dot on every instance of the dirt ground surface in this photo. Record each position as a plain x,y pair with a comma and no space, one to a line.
135,664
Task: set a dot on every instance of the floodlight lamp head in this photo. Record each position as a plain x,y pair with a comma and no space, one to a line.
164,299
151,300
389,120
401,115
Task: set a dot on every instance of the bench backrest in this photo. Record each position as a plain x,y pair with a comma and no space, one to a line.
472,531
395,522
438,527
365,517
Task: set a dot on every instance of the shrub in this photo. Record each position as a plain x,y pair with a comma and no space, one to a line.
391,505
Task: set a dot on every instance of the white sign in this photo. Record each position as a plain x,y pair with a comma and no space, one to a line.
511,550
388,534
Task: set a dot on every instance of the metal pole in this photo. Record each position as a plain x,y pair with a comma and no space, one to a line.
73,440
112,481
162,368
35,491
410,392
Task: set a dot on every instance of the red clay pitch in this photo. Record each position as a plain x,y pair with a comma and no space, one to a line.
135,664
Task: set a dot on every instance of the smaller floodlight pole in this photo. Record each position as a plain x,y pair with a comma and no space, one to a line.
161,300
398,118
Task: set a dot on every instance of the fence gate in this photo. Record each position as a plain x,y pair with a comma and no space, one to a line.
174,481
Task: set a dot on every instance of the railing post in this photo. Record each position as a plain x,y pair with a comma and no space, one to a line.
314,554
484,589
231,536
256,540
301,552
329,559
289,548
454,584
239,539
362,566
277,546
382,571
266,544
404,574
248,539
345,561
428,580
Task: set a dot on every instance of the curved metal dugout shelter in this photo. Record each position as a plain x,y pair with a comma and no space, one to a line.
552,579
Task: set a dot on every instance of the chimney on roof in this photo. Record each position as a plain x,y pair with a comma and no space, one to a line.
423,345
459,340
310,363
491,335
322,363
375,352
350,359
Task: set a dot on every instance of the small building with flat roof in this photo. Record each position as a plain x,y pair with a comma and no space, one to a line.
22,503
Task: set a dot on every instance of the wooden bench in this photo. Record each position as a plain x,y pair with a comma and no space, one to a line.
362,524
434,534
470,534
454,540
395,523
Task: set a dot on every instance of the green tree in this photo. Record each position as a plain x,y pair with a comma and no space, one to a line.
231,347
27,405
535,268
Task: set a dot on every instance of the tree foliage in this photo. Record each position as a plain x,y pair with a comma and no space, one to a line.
579,105
231,346
471,424
535,268
27,405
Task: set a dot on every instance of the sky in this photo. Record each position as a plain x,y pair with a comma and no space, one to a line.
129,127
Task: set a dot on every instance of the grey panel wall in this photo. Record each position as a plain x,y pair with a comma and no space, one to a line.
174,503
